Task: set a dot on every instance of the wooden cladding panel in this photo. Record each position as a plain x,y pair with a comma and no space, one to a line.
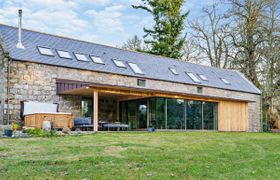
233,116
57,120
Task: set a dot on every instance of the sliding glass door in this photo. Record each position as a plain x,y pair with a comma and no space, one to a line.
157,113
163,113
175,114
194,114
142,114
86,107
210,115
132,115
201,115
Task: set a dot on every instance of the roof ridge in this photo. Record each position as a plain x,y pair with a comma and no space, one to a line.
147,54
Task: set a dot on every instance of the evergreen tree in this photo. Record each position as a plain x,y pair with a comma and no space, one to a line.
167,37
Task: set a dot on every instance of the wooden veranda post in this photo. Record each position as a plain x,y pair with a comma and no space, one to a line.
95,110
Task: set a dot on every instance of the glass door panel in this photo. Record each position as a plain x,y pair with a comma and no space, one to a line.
86,107
142,114
194,114
132,115
209,115
175,114
160,113
123,112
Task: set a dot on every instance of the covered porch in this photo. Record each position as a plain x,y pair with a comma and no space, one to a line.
124,108
102,105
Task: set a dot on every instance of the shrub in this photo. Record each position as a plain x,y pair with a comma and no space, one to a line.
265,128
41,133
15,126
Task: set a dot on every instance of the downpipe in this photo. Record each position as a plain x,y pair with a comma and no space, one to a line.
8,90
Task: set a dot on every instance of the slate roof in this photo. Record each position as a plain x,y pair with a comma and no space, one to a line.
153,67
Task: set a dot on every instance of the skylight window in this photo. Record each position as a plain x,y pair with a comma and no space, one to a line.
96,59
225,81
119,63
45,51
174,71
81,57
193,77
64,54
203,77
135,68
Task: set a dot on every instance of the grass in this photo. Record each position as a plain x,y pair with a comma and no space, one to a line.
161,155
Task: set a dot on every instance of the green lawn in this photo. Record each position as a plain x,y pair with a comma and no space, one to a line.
162,155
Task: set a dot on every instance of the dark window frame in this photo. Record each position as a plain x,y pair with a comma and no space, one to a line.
139,81
199,90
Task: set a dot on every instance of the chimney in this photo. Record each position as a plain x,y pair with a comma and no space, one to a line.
19,44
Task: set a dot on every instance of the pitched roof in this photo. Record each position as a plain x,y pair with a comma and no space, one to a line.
153,67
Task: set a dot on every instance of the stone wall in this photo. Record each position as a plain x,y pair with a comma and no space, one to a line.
37,82
3,86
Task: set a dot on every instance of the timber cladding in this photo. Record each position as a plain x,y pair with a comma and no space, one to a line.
232,116
57,120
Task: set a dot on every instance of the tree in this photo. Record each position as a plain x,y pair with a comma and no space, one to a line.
166,38
133,44
191,52
211,38
247,36
271,57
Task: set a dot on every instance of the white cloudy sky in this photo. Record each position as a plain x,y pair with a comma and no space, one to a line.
102,21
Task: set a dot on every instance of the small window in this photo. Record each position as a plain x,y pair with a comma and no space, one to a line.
64,54
135,68
203,77
174,71
81,57
199,90
193,77
225,81
45,51
141,82
119,63
96,59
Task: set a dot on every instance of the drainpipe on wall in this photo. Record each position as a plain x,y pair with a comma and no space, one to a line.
8,90
19,45
261,121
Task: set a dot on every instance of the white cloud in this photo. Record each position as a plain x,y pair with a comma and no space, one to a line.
108,19
58,16
104,21
94,2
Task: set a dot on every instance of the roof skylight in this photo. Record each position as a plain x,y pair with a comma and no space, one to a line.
81,57
64,54
225,81
173,71
203,77
45,51
193,77
96,59
135,68
119,63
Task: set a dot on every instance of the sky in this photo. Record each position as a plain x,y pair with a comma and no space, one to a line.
109,22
